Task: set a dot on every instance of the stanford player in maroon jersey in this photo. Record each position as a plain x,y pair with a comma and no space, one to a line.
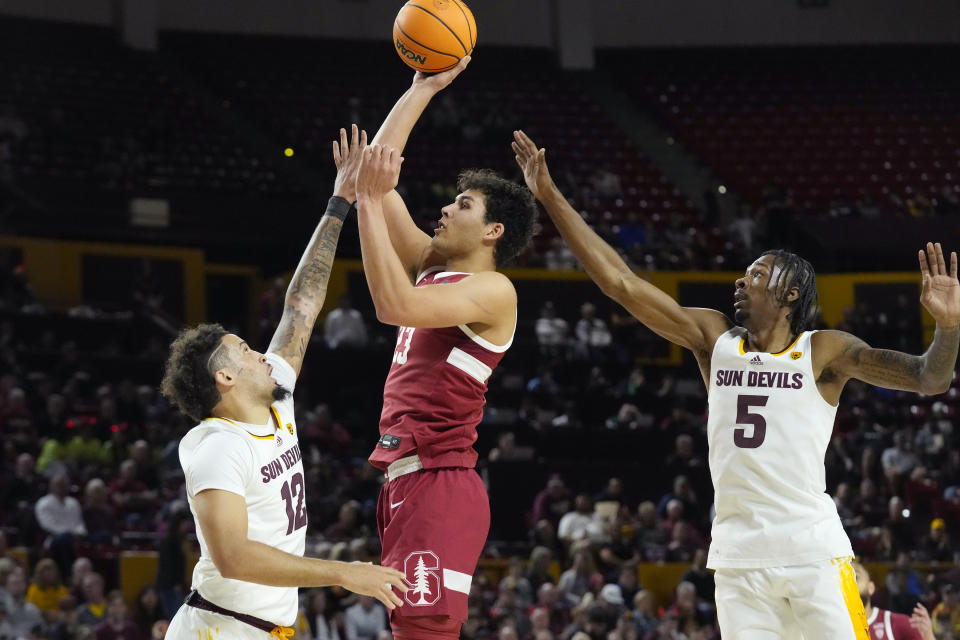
456,316
886,625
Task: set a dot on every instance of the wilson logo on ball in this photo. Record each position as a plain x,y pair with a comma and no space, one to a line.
433,35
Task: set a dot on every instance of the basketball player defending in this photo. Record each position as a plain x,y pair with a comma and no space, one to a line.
778,547
242,463
886,625
456,316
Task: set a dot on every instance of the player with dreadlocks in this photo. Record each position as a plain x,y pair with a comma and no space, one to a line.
781,556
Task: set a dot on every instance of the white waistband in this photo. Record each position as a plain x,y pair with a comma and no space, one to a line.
403,466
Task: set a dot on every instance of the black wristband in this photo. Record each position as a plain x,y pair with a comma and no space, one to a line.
338,208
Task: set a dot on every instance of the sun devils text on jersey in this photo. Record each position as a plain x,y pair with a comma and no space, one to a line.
768,431
434,394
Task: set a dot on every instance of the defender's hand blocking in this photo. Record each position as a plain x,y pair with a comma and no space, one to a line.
375,581
379,171
347,156
533,162
438,81
941,289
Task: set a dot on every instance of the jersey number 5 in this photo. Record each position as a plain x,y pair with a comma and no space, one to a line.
404,337
296,515
744,416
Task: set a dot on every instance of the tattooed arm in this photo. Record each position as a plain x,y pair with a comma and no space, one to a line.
846,356
308,288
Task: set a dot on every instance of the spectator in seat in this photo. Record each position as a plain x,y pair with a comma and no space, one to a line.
575,581
538,571
581,523
148,609
117,624
946,615
689,610
898,460
98,514
936,546
47,588
593,335
551,502
78,571
364,619
323,624
552,332
869,505
61,517
94,609
22,615
16,421
652,538
644,618
344,327
516,580
132,499
700,577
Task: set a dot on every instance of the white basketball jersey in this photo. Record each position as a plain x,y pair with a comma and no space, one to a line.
768,431
261,463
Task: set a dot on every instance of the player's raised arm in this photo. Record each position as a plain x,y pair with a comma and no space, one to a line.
482,297
222,517
308,287
846,356
411,244
695,329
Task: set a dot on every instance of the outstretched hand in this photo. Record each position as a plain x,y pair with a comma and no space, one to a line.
439,81
347,156
941,289
920,620
375,581
533,163
379,171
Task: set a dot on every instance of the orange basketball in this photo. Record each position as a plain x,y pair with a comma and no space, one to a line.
432,35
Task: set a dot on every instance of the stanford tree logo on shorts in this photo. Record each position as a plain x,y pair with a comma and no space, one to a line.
421,570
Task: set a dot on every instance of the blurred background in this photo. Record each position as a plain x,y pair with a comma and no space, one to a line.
163,162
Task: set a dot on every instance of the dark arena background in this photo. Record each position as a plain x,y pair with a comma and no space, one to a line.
163,163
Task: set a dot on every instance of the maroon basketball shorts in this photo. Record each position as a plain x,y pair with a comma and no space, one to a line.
433,524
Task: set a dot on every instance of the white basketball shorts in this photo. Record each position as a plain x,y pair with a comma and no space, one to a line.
194,624
817,601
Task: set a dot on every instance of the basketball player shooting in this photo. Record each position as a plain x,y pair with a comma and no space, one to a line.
242,462
781,556
456,317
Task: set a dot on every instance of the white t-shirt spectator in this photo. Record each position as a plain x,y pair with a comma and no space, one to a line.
60,515
551,331
364,624
593,332
344,328
581,526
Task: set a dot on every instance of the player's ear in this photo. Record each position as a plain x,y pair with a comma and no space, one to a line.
793,294
494,231
224,378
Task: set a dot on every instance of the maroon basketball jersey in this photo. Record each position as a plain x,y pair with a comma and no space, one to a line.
885,625
434,395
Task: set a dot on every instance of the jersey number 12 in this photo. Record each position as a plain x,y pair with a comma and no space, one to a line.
745,416
296,514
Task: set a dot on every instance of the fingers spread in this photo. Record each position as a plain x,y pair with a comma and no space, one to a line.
354,137
337,158
953,265
924,267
